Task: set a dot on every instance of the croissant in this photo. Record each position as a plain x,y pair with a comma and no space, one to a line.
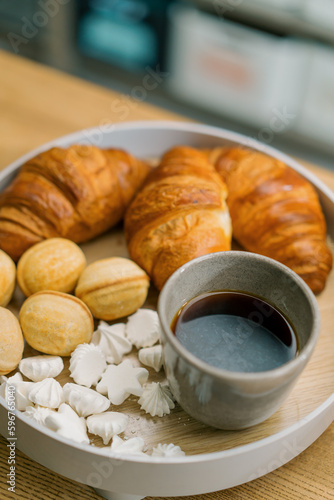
75,193
179,214
275,212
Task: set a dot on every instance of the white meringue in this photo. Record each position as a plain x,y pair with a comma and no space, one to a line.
67,424
37,368
167,450
38,413
15,378
48,393
156,399
151,356
4,379
143,328
85,401
132,446
87,364
170,368
112,341
20,390
119,381
108,424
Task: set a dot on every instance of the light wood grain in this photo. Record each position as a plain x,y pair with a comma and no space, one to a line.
39,104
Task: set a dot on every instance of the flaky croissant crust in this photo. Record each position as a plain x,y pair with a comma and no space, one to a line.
76,193
275,212
179,214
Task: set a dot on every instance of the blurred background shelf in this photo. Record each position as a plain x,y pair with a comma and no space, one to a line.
260,67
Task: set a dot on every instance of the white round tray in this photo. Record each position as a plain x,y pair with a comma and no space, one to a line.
228,459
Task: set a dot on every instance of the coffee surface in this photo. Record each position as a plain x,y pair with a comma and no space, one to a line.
235,331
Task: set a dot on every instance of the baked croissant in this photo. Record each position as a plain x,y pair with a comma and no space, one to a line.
275,212
179,214
76,193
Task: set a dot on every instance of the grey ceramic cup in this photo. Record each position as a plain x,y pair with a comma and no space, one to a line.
225,399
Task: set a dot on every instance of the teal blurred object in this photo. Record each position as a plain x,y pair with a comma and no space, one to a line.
118,35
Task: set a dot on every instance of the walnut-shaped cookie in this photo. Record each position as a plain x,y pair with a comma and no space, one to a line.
55,322
11,341
53,264
7,278
113,288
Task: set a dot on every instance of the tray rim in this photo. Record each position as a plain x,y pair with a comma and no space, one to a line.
325,409
148,459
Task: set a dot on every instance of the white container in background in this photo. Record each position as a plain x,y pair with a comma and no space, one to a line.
316,117
233,70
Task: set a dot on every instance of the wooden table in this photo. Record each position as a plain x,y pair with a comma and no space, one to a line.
38,104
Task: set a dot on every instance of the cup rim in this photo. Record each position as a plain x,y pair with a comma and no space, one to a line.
236,376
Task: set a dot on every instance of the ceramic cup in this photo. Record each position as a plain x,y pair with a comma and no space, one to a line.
227,399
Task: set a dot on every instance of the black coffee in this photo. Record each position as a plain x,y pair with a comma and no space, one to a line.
235,331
